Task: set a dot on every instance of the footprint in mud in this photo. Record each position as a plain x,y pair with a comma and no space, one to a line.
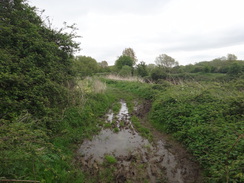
137,160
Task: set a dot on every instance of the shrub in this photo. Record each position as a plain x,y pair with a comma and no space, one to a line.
208,119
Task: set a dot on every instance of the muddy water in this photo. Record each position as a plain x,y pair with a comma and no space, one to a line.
137,158
108,142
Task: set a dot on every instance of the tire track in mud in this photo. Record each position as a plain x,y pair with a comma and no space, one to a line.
137,159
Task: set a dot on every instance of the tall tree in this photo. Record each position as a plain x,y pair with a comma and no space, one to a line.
231,57
122,61
104,64
130,52
85,66
141,69
165,61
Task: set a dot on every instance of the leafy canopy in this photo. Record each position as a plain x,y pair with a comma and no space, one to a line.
122,61
166,61
35,61
130,52
85,66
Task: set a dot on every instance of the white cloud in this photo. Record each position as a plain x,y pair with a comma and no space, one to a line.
188,30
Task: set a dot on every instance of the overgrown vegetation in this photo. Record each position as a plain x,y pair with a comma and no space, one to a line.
35,62
206,117
48,105
44,113
33,153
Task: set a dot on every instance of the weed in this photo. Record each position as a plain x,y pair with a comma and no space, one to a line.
122,124
114,123
110,159
116,107
116,130
145,132
107,125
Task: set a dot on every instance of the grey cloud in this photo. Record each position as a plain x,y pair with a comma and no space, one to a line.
109,6
153,28
201,42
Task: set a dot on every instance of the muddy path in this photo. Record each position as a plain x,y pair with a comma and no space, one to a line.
120,154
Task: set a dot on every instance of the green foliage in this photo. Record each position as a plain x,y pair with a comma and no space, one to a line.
42,115
237,85
110,159
26,153
85,66
27,143
116,107
235,69
116,130
122,61
130,53
126,71
35,62
208,120
31,152
166,62
103,67
215,66
158,73
141,69
142,90
206,117
231,57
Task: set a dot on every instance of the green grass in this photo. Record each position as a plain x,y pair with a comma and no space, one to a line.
116,107
142,90
110,159
116,130
107,125
145,132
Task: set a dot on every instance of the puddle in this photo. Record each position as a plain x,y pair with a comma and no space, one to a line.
110,116
137,159
122,143
108,142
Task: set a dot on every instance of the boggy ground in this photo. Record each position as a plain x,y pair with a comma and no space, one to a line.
120,154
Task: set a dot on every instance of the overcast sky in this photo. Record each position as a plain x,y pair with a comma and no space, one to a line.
190,31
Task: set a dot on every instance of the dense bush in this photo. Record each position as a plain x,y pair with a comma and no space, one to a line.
85,66
208,119
30,153
35,62
35,80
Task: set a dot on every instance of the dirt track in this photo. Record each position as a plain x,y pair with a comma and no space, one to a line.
136,159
